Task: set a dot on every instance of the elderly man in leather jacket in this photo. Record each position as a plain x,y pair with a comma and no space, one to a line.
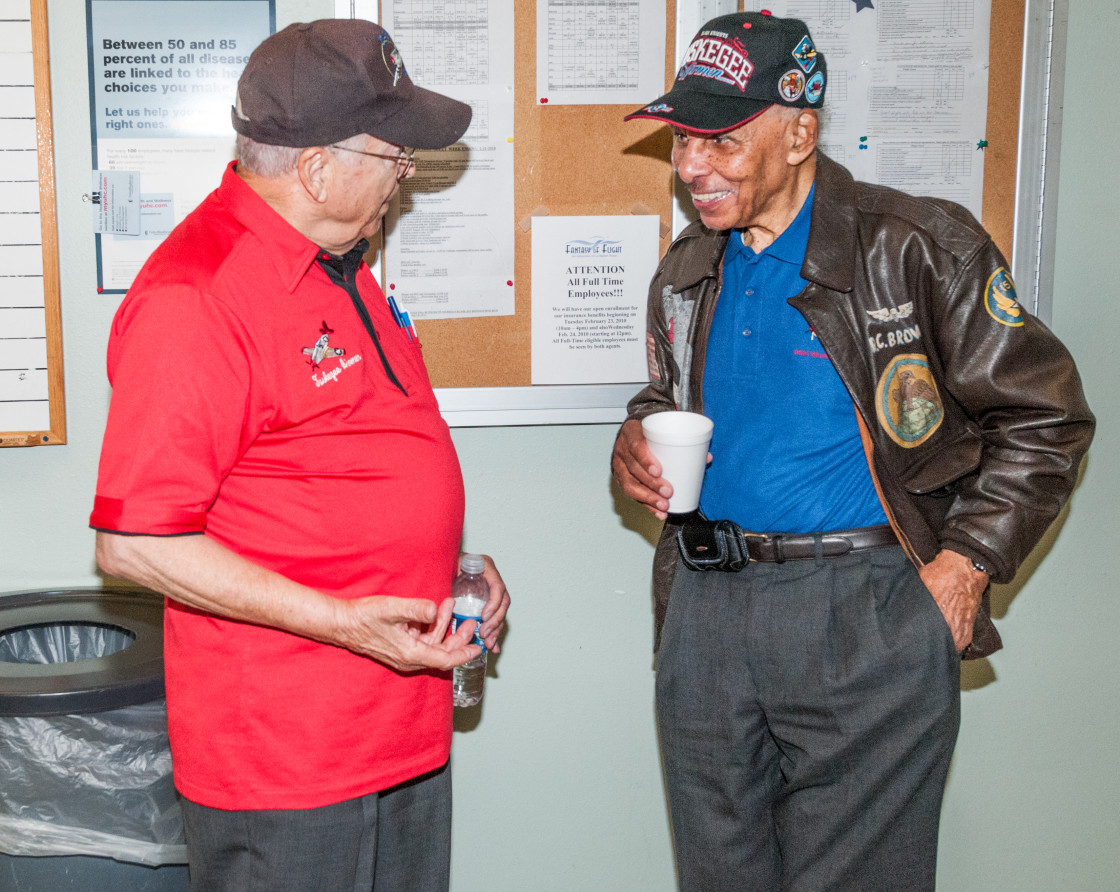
893,431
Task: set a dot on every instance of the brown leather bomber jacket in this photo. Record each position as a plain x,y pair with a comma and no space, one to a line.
972,412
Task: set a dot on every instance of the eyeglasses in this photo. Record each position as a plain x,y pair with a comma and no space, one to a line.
404,158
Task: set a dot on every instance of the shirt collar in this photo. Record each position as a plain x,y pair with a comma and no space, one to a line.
346,265
285,247
790,244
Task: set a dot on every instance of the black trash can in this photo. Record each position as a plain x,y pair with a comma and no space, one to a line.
88,800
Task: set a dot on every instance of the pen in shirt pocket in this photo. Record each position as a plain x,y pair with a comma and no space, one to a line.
403,319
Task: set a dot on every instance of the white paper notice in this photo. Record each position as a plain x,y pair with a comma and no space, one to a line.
907,94
116,202
590,279
449,234
600,52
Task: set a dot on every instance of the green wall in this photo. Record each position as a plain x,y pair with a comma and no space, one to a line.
557,780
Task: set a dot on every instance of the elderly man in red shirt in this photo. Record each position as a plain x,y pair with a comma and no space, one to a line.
275,463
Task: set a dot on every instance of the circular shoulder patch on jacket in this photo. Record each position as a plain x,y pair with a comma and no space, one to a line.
907,402
1000,299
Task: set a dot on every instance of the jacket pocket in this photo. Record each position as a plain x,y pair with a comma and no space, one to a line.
936,472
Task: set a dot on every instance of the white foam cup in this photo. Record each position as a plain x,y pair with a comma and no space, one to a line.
679,441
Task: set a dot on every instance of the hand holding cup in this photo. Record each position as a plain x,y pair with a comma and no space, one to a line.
679,441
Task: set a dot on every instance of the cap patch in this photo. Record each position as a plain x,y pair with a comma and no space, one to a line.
806,54
717,59
791,85
660,107
393,64
814,88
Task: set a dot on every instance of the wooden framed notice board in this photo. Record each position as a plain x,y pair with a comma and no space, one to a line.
568,160
32,402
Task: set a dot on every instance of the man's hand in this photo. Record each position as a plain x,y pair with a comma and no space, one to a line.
638,472
494,613
957,587
405,633
410,634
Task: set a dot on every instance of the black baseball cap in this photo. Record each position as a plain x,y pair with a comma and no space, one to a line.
736,67
316,83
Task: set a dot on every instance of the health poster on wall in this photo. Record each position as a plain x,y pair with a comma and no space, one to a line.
162,79
590,277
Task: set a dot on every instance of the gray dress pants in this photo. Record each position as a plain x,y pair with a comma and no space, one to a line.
807,713
398,840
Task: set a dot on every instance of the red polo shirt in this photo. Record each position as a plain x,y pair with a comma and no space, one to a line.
250,405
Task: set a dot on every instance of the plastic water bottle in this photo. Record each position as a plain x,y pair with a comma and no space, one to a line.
471,592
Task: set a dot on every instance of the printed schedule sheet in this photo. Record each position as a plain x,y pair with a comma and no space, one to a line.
449,249
907,93
600,52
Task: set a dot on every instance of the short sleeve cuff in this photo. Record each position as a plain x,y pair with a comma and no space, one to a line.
115,516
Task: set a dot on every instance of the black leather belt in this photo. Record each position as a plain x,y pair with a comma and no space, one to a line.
722,545
780,547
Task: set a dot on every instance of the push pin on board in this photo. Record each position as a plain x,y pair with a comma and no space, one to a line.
980,146
863,142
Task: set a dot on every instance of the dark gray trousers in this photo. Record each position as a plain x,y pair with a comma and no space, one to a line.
398,840
808,713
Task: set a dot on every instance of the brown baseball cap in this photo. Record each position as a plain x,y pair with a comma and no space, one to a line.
316,83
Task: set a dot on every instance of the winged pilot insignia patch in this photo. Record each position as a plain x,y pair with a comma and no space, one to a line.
892,314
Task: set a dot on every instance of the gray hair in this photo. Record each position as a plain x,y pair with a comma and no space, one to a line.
275,161
788,112
265,160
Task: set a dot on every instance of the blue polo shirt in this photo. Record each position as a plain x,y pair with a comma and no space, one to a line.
786,451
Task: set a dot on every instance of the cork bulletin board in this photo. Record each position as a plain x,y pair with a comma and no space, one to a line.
569,160
1005,52
573,160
